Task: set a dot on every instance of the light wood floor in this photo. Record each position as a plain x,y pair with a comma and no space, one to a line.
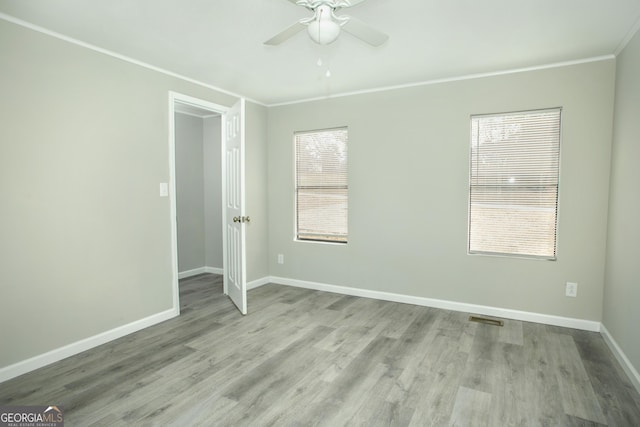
305,357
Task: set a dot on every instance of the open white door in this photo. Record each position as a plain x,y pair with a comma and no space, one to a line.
235,281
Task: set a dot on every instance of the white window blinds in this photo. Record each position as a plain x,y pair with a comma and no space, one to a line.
514,183
321,185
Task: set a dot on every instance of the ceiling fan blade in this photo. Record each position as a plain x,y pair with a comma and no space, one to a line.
303,3
364,32
286,34
349,3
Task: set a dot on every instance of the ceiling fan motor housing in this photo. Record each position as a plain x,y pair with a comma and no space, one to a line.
324,29
324,26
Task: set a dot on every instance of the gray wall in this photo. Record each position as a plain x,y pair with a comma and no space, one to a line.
199,192
622,281
190,192
257,234
408,192
85,239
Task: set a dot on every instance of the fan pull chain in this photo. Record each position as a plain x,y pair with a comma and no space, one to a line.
319,63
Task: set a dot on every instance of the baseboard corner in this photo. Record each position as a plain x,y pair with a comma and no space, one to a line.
622,358
214,270
200,270
258,282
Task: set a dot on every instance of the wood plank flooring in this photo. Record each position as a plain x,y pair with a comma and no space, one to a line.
305,357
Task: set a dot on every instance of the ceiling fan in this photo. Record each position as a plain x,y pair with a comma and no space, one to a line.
324,26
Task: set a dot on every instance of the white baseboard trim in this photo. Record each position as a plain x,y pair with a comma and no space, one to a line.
189,273
214,270
33,363
199,270
547,319
17,369
257,283
632,373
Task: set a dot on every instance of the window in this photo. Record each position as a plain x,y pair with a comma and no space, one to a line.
513,186
321,185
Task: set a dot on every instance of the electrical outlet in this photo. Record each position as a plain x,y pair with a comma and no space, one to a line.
280,259
572,289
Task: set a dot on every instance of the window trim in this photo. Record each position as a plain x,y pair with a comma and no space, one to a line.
553,257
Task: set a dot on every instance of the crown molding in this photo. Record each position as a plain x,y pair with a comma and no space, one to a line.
128,59
453,79
632,32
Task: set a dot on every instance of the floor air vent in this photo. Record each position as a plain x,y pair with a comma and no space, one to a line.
486,321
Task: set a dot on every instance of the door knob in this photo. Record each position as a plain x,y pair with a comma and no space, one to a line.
236,219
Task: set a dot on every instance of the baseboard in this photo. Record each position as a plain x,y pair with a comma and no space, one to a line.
214,270
199,270
189,273
257,283
36,362
631,372
52,356
587,325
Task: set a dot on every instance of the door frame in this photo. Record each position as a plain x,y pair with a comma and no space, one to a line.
175,97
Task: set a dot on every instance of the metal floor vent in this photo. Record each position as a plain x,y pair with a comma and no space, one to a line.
486,321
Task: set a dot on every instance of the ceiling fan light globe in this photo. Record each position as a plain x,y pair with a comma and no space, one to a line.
323,31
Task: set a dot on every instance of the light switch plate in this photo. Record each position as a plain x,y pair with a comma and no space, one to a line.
164,189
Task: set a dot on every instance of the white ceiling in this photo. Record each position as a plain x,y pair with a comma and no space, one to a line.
220,42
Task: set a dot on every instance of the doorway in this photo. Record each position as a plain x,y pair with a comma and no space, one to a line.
200,224
198,160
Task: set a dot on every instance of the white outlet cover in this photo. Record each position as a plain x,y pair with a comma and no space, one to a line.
571,289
